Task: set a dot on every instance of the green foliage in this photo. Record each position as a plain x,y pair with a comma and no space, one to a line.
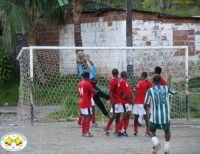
9,93
25,15
6,67
194,82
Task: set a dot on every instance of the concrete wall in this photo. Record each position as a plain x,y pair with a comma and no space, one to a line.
148,30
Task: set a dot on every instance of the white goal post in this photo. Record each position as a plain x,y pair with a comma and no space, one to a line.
125,56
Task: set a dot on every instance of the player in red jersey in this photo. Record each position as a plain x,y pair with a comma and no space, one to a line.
116,103
158,70
138,109
86,92
126,96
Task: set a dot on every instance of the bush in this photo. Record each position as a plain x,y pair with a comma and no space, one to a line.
6,67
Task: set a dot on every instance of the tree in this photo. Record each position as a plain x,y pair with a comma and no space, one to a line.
129,38
19,16
77,11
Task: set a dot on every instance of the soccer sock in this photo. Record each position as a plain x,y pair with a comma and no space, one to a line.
117,127
121,124
166,146
83,126
126,123
147,129
87,125
155,140
107,128
80,119
135,128
93,119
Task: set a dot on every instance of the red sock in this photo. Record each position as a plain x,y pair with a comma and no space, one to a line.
93,119
121,124
117,127
83,126
87,125
135,128
80,119
147,129
107,128
126,123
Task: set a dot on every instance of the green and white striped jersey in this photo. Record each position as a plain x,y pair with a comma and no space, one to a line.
158,98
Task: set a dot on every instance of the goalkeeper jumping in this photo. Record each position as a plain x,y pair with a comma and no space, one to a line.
83,67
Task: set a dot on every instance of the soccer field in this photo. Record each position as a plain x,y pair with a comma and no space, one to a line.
65,138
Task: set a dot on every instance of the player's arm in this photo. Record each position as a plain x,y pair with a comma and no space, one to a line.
112,89
93,71
80,68
147,100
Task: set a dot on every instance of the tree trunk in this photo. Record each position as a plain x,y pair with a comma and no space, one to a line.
129,38
77,11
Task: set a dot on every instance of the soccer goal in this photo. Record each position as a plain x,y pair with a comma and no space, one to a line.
49,77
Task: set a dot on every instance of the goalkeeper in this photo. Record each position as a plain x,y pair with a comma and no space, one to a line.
99,92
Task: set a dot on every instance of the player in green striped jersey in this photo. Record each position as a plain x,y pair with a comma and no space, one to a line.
157,98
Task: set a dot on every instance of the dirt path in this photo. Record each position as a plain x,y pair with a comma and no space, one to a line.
65,138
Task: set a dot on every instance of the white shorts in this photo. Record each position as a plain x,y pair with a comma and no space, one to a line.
92,101
127,107
86,111
118,108
138,109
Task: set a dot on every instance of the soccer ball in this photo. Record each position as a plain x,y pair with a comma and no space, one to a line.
80,54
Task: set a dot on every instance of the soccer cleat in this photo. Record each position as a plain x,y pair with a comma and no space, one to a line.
147,134
124,134
87,135
94,125
117,134
135,134
156,148
107,133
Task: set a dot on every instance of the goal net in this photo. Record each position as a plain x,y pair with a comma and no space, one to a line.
49,77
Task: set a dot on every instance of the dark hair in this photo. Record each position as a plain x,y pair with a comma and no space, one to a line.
156,79
115,72
85,75
123,74
158,69
144,74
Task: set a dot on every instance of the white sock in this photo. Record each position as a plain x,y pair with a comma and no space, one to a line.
155,140
166,146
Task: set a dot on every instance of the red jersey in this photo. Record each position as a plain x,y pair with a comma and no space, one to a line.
141,88
163,82
86,92
125,88
115,91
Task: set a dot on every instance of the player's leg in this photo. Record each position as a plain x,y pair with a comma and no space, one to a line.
100,105
88,116
110,121
80,119
146,118
100,93
136,116
126,117
117,125
167,139
93,114
154,139
136,124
